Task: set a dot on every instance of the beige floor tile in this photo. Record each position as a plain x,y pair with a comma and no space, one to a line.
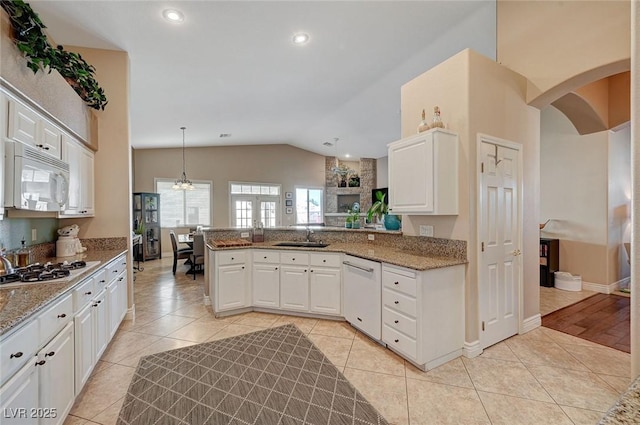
552,299
575,388
161,305
335,328
368,355
165,325
164,344
504,377
388,394
234,330
109,416
74,420
305,324
143,317
538,334
601,359
618,383
538,352
582,416
438,404
262,320
102,390
336,349
198,331
102,365
499,351
195,311
124,344
450,373
505,410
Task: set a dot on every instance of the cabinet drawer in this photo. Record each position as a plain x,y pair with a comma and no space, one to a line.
231,257
400,302
300,258
54,319
400,342
83,293
114,268
400,282
17,349
271,257
399,322
325,260
100,280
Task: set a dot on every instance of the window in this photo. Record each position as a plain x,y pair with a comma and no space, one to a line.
182,208
254,203
309,206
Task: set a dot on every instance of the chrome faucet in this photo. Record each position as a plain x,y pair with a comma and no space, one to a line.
309,233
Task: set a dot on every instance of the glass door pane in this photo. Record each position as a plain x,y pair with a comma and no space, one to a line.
243,213
268,213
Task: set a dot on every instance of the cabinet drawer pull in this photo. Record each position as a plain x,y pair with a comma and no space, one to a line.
395,321
115,271
16,355
305,270
46,148
62,316
395,283
360,319
94,305
232,258
88,293
396,340
276,268
40,363
120,279
311,270
293,259
242,267
50,354
324,261
102,281
265,257
396,302
99,301
124,264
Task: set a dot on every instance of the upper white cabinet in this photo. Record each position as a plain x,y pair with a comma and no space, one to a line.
423,174
81,178
29,127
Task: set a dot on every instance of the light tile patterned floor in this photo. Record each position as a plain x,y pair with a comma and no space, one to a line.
541,377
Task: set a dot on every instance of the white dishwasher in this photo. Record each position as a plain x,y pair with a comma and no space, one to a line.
362,294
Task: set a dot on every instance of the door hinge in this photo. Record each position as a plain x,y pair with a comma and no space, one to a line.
482,246
483,326
482,167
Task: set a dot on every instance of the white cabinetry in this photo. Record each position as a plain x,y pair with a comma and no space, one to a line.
116,296
19,395
266,279
81,178
294,281
362,294
230,285
423,174
423,313
29,127
325,284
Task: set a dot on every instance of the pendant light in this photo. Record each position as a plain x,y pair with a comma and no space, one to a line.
183,183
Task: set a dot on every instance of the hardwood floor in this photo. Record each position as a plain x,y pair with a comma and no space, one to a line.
603,319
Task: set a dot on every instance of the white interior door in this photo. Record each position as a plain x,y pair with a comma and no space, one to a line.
500,235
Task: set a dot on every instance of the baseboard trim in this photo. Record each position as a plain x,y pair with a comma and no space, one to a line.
471,349
131,313
207,300
603,288
531,323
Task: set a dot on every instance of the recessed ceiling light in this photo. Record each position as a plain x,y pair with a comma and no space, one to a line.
300,38
347,156
173,15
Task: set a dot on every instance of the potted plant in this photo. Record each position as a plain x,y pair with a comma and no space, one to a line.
354,180
343,171
354,218
348,222
381,210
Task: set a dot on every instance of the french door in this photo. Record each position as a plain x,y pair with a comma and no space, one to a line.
247,210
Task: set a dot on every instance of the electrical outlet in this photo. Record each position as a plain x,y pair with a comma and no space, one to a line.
371,237
426,230
244,234
34,234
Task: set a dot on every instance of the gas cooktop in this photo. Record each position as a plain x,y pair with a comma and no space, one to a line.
37,272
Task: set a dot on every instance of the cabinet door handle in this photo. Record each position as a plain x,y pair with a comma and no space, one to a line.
396,340
120,280
293,259
62,316
359,319
232,258
94,305
396,302
99,301
265,257
40,363
50,354
276,268
395,321
16,355
242,267
395,283
102,281
88,293
324,261
115,271
305,270
311,270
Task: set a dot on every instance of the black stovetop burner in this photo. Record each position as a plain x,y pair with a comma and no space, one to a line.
42,272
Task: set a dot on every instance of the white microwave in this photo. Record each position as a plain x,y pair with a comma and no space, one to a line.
34,180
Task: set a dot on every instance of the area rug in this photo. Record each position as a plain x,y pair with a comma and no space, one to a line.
274,376
601,318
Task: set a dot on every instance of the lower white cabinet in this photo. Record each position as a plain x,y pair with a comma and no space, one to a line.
294,287
266,279
20,395
101,324
232,287
325,291
113,308
85,347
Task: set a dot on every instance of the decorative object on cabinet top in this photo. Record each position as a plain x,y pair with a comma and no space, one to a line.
30,39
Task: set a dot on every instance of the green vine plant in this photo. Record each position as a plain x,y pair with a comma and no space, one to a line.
31,40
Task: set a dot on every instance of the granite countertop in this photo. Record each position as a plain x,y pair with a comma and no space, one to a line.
385,254
18,303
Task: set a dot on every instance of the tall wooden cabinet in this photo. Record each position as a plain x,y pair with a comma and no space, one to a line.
146,221
549,261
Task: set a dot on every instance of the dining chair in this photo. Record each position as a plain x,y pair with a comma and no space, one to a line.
178,253
197,257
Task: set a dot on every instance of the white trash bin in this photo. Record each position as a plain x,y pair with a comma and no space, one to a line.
568,282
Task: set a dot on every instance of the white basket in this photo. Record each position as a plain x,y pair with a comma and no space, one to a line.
567,282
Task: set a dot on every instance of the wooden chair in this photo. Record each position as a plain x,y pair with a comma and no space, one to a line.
197,258
178,253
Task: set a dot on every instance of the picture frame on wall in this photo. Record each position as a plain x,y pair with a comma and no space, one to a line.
288,195
289,210
288,203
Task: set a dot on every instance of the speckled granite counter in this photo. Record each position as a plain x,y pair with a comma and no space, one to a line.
627,408
18,303
386,254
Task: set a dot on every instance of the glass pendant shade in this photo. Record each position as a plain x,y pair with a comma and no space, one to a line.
183,183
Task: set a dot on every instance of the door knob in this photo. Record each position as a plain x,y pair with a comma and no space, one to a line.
516,252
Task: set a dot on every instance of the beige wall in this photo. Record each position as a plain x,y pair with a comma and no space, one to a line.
477,95
562,45
281,164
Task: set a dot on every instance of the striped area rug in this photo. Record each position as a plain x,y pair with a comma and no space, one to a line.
274,376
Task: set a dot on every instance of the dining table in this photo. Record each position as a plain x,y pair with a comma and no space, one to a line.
186,238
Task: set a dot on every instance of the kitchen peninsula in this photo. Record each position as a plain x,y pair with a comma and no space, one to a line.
404,292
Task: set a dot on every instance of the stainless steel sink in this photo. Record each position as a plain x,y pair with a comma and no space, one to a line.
303,244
